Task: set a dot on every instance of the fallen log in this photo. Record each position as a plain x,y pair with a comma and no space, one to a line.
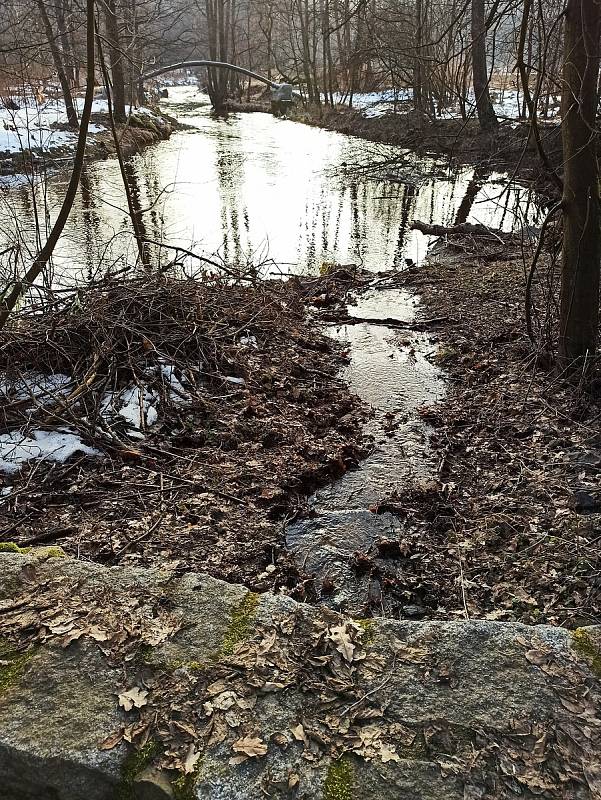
463,229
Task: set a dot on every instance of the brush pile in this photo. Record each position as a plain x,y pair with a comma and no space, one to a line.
204,412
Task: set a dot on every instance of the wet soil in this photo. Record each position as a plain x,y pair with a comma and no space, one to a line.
208,488
509,526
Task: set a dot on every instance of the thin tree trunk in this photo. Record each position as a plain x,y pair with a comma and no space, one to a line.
59,66
116,60
579,308
45,254
486,113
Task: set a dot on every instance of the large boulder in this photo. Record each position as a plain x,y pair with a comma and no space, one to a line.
233,696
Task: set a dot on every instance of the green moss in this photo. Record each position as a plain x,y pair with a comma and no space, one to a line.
50,552
135,763
11,547
586,647
183,787
12,664
242,619
369,633
339,783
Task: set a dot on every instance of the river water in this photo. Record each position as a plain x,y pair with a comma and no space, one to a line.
253,189
288,198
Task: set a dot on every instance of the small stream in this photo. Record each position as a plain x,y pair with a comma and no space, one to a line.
391,371
253,189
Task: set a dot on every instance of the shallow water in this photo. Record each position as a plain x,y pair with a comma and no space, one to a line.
390,371
252,188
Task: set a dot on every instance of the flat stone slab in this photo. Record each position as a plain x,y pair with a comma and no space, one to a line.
129,683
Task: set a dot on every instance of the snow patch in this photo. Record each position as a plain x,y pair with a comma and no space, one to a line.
16,449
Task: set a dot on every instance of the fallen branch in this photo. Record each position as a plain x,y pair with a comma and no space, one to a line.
463,229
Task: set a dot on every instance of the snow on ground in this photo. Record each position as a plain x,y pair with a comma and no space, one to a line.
507,103
34,125
134,407
135,404
41,389
17,448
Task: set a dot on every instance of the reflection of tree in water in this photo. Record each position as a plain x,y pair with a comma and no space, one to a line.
147,231
90,221
408,199
471,192
234,215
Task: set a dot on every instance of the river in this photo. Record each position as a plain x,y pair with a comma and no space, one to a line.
255,190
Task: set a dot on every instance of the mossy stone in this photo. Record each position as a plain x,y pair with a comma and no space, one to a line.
339,782
584,645
240,625
12,664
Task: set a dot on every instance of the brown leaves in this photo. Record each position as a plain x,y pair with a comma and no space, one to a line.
249,747
341,637
133,698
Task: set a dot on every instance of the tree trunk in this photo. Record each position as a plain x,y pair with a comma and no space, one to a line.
59,66
579,308
115,60
486,113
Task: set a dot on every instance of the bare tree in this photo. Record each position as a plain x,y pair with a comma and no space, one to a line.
486,113
579,311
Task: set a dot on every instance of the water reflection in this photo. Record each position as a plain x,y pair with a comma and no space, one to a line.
251,186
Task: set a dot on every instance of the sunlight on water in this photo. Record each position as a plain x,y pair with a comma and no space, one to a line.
253,187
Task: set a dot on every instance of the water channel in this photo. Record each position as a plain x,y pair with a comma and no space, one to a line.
253,189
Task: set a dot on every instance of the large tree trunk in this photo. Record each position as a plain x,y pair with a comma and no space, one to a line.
59,66
486,113
115,60
579,313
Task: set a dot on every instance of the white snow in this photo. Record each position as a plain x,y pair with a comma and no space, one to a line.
507,103
135,404
177,392
39,388
16,448
34,124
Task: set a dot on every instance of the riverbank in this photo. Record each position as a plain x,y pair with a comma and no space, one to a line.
177,423
37,137
506,150
509,530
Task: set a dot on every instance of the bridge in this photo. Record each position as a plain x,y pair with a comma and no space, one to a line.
219,64
281,92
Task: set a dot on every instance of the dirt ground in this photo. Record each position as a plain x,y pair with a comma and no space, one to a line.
210,486
511,527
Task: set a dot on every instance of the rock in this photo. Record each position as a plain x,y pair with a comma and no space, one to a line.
585,501
152,784
414,612
472,709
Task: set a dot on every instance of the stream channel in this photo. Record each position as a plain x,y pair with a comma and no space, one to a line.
253,189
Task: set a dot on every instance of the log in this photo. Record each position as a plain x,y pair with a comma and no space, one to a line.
464,229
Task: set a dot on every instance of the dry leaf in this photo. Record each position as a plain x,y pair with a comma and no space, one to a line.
344,644
250,746
111,741
97,634
299,734
191,760
388,754
133,698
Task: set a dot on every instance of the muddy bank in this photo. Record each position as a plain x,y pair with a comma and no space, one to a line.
206,412
506,150
509,527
